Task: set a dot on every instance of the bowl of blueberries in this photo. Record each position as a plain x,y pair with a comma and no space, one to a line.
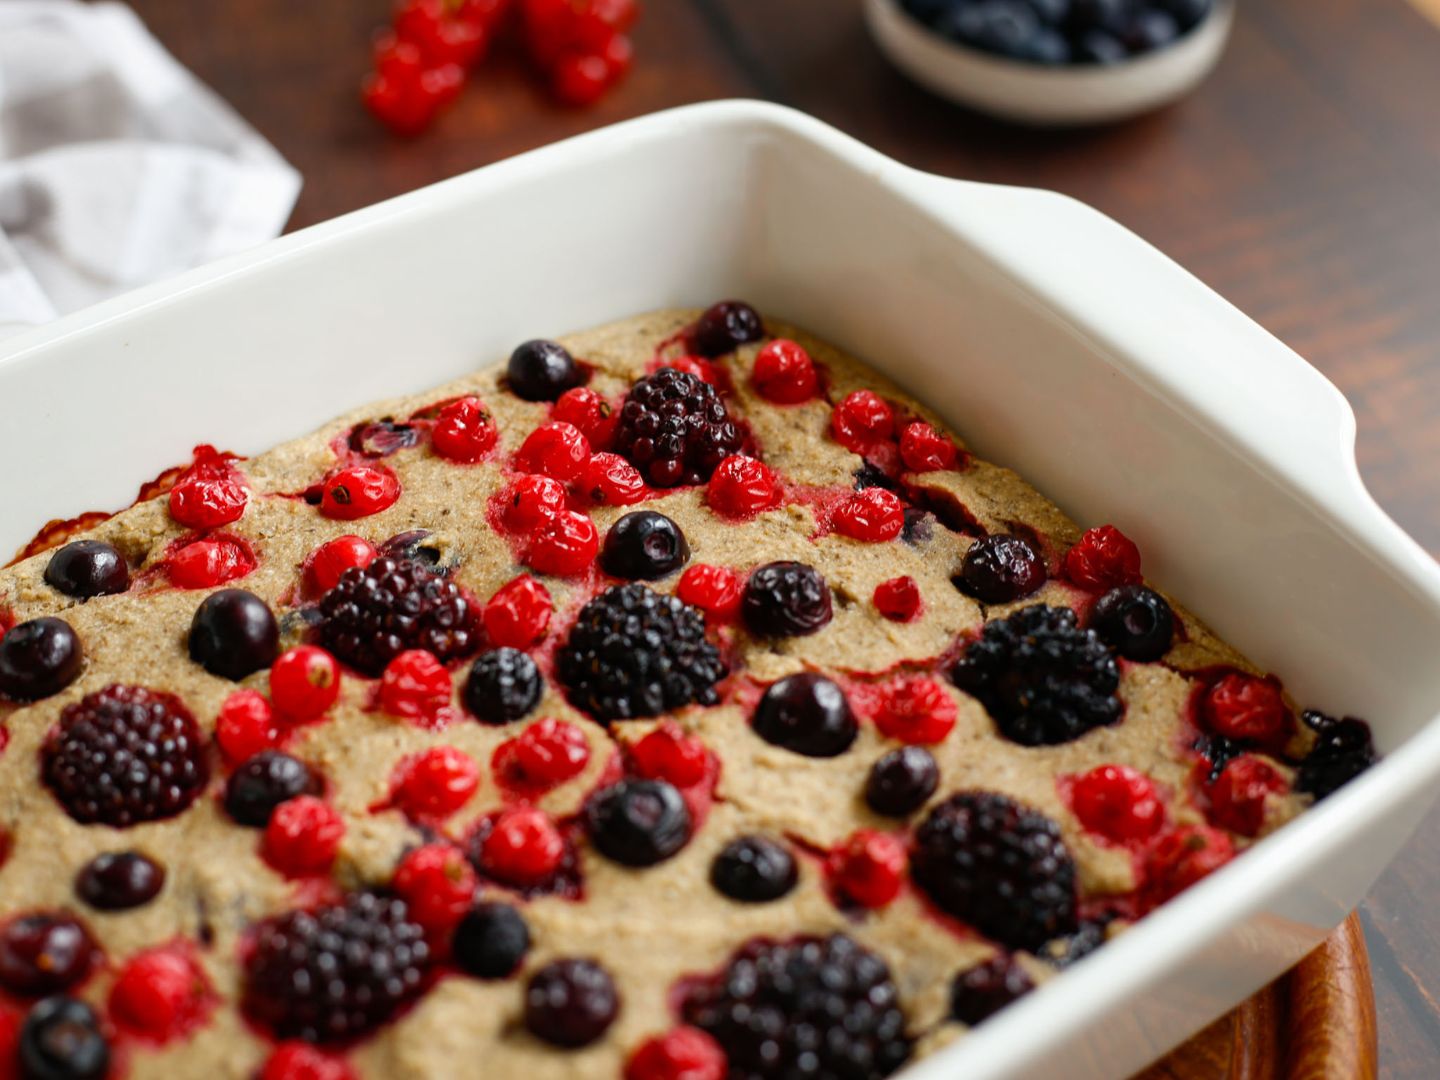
1054,62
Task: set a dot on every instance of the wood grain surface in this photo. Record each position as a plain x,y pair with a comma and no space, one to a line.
1302,181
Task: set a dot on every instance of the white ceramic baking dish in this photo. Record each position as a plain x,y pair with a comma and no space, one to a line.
1055,340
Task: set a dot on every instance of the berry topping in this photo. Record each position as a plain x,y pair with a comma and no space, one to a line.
565,545
983,990
119,881
436,782
570,1003
304,682
699,366
754,870
1216,751
1041,678
901,780
724,327
39,658
634,652
207,497
334,557
741,487
675,429
786,599
916,709
868,870
1237,795
438,884
491,941
337,972
556,449
872,515
644,544
520,846
682,1053
464,431
124,755
44,953
1104,558
668,754
638,822
862,421
504,685
784,373
898,599
381,438
233,634
357,492
261,784
61,1040
1343,750
542,371
531,501
806,1007
208,561
610,480
715,590
1118,803
161,994
545,754
1001,568
303,836
923,449
1182,857
1134,621
416,686
1248,709
999,866
807,714
378,611
87,568
301,1061
589,412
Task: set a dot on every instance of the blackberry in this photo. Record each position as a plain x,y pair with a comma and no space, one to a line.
39,658
1001,568
1041,678
675,429
570,1003
61,1040
491,940
638,822
999,866
337,972
1218,751
987,988
378,611
118,881
1134,621
265,781
124,755
88,568
786,599
724,327
504,685
634,652
822,1007
754,870
1343,750
901,780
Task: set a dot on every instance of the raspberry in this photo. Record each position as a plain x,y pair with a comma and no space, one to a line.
898,599
161,994
1237,795
633,652
504,684
1104,558
786,599
1000,568
1118,803
741,487
377,612
916,710
87,568
675,429
868,869
464,431
44,953
358,491
754,870
208,561
715,590
638,822
521,847
334,557
682,1053
1248,709
436,782
590,413
999,866
304,682
545,754
862,421
556,449
1182,857
983,990
518,614
207,499
809,1006
668,754
301,1061
530,502
563,546
119,881
245,726
416,686
1043,680
724,327
784,373
570,1003
303,836
437,884
338,972
1343,750
923,449
125,755
610,480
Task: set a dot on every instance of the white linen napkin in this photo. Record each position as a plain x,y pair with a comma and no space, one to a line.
117,167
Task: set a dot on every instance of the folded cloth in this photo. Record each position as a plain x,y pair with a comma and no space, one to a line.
117,167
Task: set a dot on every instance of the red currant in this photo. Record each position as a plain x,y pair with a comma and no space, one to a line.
518,614
1118,803
437,884
436,783
580,78
402,103
923,449
619,53
303,836
415,686
357,492
245,726
784,373
207,502
610,480
443,36
1182,857
898,599
916,710
668,753
1248,708
715,590
741,486
1104,558
304,682
590,413
209,561
698,366
160,994
1238,794
869,869
301,1061
334,557
556,449
682,1053
545,754
564,546
523,847
872,515
862,420
531,501
464,431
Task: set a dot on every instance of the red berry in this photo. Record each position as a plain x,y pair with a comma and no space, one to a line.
531,501
160,994
1248,708
440,34
436,783
616,14
898,599
1103,559
545,754
1237,795
916,710
518,614
741,486
564,546
464,431
304,682
872,515
396,58
209,561
784,373
245,726
486,13
303,836
869,869
1182,857
698,366
206,501
301,1061
590,413
715,590
399,102
358,492
923,449
610,480
668,754
862,420
438,885
415,686
619,53
580,78
334,557
523,847
1118,803
682,1053
556,449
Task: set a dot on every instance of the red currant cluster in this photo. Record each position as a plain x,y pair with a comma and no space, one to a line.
580,48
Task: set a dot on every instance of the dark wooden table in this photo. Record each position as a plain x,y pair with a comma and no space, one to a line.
1302,181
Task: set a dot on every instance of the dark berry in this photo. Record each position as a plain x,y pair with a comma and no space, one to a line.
870,475
999,866
901,780
233,634
919,526
786,599
808,1007
1104,14
1149,30
504,685
1001,568
724,327
1099,47
808,714
1041,678
88,568
987,988
381,438
125,755
61,1040
1187,13
381,610
638,822
415,546
337,972
754,870
1003,27
491,941
644,545
1343,750
1134,621
118,881
39,658
675,429
1218,751
634,652
1064,951
265,781
542,371
44,953
570,1003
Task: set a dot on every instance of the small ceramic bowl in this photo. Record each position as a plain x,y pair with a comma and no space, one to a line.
1061,96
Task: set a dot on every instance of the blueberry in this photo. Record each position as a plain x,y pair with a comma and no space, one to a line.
1150,30
61,1040
118,881
1051,12
987,988
754,870
43,953
39,658
638,822
88,568
570,1003
786,599
1003,27
1343,749
381,438
1099,47
807,714
1049,46
542,371
919,526
1001,568
414,546
926,11
504,685
644,545
724,327
491,941
1108,15
901,780
1134,621
1187,13
234,634
265,781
